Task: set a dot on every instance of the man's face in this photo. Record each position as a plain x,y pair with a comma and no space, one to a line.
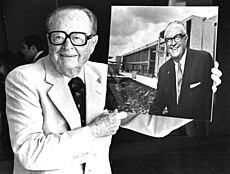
68,58
176,46
27,52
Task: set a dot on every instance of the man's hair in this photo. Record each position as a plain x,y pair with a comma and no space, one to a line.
34,40
92,17
179,23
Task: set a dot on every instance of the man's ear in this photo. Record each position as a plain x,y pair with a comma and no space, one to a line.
186,38
47,39
33,48
93,43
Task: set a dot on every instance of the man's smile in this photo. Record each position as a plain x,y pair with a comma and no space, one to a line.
67,55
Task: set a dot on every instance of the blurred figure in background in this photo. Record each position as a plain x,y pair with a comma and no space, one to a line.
32,48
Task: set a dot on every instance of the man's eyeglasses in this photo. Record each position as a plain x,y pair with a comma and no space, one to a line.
76,38
177,38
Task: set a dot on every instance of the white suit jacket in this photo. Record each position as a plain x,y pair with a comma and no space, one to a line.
44,123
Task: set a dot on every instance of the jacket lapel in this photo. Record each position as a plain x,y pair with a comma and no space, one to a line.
94,91
61,96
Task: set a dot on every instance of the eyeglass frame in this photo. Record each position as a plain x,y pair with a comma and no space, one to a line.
174,38
68,36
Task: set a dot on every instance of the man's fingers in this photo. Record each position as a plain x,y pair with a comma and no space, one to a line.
121,115
216,64
214,88
217,72
216,79
115,111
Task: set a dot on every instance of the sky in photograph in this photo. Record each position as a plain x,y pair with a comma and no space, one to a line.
135,26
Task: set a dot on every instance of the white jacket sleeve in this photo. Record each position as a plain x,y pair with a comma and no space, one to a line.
36,149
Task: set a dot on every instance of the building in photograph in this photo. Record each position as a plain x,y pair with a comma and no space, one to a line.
146,60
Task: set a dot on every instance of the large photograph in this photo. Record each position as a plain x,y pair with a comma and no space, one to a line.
160,60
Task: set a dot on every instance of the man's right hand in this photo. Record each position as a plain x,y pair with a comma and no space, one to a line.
106,124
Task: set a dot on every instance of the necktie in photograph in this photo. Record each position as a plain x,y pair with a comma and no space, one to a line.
77,88
179,80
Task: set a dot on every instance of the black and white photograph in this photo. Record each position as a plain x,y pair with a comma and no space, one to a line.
114,87
147,45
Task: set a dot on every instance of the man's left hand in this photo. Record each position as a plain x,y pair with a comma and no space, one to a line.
216,74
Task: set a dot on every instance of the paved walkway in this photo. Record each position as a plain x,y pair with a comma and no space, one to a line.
149,81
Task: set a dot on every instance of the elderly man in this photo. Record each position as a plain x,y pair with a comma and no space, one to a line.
52,131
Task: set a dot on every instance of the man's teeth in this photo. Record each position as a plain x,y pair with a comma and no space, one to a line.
64,55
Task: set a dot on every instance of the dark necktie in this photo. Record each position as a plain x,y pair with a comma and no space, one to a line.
179,80
77,88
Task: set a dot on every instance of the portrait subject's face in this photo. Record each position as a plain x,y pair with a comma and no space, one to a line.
67,57
177,40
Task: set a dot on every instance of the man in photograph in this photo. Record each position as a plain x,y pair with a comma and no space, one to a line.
184,86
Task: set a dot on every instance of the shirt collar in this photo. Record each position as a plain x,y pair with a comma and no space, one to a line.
182,60
38,54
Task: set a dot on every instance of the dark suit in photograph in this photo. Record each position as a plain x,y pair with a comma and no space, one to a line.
195,99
